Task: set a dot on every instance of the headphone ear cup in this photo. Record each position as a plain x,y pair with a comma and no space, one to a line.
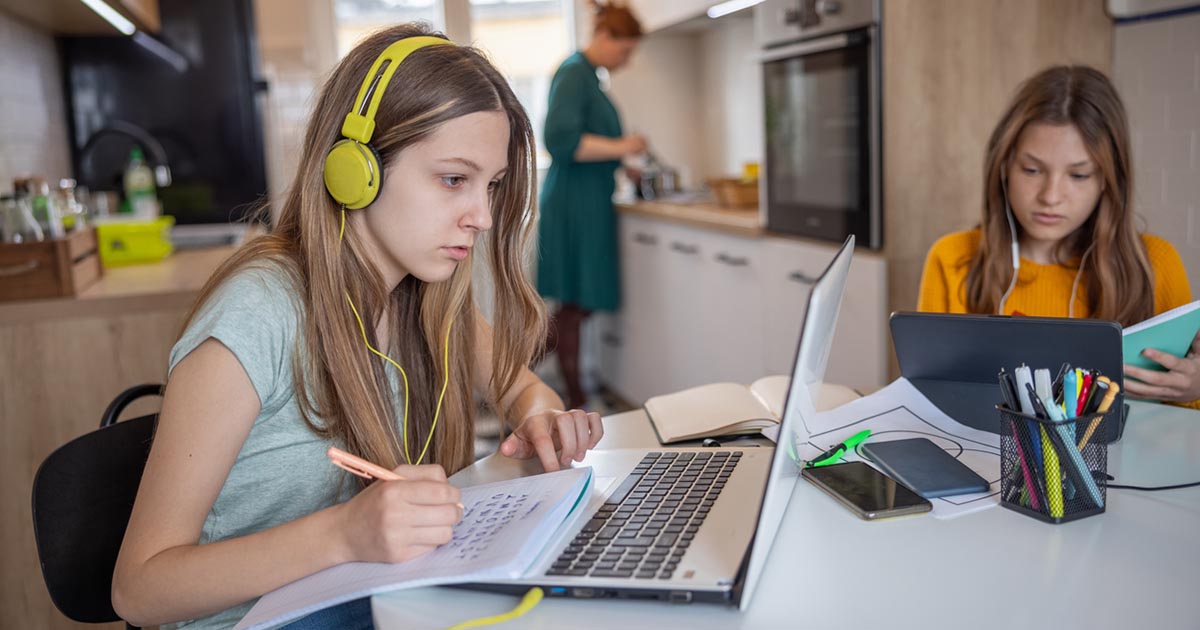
353,175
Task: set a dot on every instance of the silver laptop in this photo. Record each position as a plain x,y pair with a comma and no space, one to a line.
690,524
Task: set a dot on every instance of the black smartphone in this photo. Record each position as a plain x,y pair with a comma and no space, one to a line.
924,467
865,491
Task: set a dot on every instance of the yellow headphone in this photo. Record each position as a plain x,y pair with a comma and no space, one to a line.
353,174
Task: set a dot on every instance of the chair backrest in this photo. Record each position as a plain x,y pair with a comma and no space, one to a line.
83,495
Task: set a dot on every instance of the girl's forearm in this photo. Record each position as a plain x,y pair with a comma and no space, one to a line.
194,581
534,398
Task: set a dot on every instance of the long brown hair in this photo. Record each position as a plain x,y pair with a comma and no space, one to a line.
1118,278
615,19
342,390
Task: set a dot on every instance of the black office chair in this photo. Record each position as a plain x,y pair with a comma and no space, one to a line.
82,497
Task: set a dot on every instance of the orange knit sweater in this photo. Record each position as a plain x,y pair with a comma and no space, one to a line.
1041,290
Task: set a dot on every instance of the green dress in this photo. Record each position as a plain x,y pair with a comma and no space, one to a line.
577,231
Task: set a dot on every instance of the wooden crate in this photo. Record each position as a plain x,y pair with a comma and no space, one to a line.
49,269
734,193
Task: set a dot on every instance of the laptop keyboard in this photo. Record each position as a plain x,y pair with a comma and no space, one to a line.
647,525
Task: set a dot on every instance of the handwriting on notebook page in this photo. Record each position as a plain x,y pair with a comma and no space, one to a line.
485,518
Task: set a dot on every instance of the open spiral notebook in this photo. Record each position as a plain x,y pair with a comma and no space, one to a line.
503,529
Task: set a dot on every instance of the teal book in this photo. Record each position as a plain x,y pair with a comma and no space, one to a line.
1172,332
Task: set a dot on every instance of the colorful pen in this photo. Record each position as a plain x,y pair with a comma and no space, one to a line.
1056,389
835,453
1070,402
1029,476
1028,401
1070,394
1093,400
1072,463
1008,393
1084,392
1112,389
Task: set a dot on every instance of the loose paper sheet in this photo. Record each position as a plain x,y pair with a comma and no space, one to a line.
900,411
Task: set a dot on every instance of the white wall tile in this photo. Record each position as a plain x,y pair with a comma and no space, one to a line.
731,79
1193,239
33,123
1157,70
1163,150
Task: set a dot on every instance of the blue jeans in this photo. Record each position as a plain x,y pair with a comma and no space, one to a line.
352,615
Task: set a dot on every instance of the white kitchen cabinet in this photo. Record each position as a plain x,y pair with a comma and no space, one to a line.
727,331
71,17
791,272
656,14
637,333
860,343
701,306
678,321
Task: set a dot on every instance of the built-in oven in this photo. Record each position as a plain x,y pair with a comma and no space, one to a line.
821,82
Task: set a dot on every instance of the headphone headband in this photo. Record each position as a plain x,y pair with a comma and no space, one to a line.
353,174
359,125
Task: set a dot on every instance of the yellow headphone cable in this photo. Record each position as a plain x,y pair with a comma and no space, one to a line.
445,369
532,598
353,176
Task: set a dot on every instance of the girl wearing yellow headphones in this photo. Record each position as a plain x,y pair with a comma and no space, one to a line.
352,324
1057,236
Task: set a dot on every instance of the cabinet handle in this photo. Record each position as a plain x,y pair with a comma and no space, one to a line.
828,7
611,339
684,248
645,239
732,261
797,276
16,270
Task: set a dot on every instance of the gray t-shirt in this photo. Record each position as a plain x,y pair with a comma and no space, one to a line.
281,472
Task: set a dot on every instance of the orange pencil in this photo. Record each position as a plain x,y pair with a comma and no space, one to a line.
360,466
364,468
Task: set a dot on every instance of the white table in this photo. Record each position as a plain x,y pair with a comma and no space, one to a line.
1135,566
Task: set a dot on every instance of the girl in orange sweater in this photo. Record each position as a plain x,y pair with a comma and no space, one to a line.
1058,186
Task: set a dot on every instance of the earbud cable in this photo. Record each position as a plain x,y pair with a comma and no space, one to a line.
1016,251
445,369
532,598
1016,261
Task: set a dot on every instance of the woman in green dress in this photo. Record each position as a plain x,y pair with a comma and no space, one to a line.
577,236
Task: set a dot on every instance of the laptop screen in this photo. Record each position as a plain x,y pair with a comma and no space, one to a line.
808,372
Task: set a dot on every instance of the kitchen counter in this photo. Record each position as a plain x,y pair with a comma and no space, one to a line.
173,282
739,221
63,361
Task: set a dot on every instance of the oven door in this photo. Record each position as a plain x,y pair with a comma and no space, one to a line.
822,138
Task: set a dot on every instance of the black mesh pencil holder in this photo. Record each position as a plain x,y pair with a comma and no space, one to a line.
1054,471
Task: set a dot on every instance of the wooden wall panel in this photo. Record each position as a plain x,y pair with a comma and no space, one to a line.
56,377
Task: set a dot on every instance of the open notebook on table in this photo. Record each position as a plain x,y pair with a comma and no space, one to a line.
718,409
504,526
